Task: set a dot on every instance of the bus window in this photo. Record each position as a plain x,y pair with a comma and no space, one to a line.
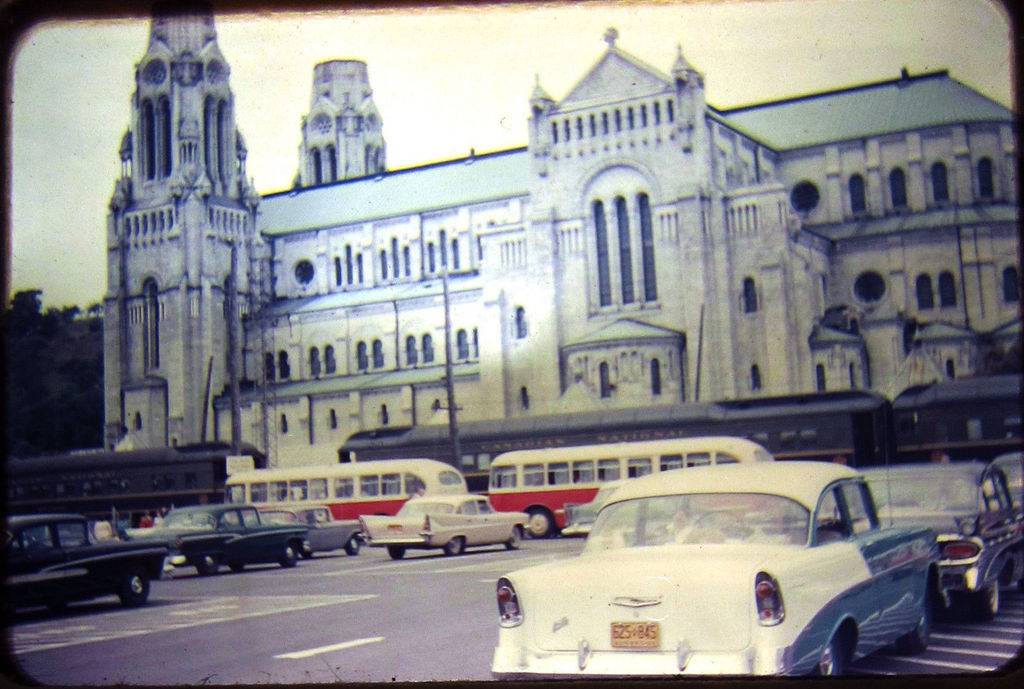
503,477
668,462
533,474
583,472
369,485
449,478
725,458
698,459
638,467
608,470
258,492
278,491
299,490
236,494
558,473
318,489
391,484
344,488
414,484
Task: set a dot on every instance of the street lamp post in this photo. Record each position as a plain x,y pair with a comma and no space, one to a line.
453,425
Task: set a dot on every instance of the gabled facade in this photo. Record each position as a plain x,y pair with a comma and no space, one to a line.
644,250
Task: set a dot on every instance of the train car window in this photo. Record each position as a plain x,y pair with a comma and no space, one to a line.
257,492
190,480
483,461
808,436
760,438
468,460
640,466
608,470
278,491
787,437
299,490
344,488
583,472
1012,424
698,459
391,484
318,489
503,477
726,458
236,494
666,462
369,485
533,474
558,473
72,534
974,431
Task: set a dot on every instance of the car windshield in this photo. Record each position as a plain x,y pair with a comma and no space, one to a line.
753,518
927,493
190,520
278,518
420,508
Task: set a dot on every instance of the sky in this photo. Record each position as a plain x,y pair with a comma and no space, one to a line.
445,79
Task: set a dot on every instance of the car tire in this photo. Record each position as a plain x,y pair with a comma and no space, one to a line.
833,659
289,556
307,554
513,541
236,567
916,640
397,552
133,590
540,524
208,565
456,546
352,545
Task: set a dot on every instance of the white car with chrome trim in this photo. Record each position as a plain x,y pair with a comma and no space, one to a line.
777,568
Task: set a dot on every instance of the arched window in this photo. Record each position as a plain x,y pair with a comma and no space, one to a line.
657,112
223,137
950,369
348,264
593,125
647,247
332,164
554,132
428,349
407,259
749,295
604,123
986,188
670,111
164,129
359,268
755,378
151,325
333,419
337,271
268,366
643,115
282,365
520,322
1011,285
625,250
476,344
629,118
318,175
947,289
362,363
606,386
604,288
284,424
819,375
394,258
431,261
384,415
442,243
940,183
853,375
314,361
567,130
378,354
579,128
148,139
925,296
618,121
462,344
138,421
209,136
410,351
858,202
655,377
898,188
330,366
383,265
524,398
455,254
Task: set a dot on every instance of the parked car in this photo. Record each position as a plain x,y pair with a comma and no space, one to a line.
208,536
325,533
52,560
580,517
449,522
969,507
773,568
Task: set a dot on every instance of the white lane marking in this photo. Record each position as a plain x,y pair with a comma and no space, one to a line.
978,639
972,652
333,647
486,565
944,663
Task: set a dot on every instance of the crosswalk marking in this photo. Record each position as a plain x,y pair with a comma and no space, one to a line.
971,652
333,647
977,639
944,663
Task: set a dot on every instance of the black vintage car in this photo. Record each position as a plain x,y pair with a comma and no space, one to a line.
208,536
52,560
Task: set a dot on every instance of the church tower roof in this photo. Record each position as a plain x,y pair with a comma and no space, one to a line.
183,27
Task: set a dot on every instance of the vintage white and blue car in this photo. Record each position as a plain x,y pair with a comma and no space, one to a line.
775,568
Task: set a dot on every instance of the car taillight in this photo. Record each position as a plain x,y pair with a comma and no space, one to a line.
768,597
959,550
509,613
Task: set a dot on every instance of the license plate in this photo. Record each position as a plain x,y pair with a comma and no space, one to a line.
636,635
394,527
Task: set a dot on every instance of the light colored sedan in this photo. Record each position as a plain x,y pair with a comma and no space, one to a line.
450,522
777,568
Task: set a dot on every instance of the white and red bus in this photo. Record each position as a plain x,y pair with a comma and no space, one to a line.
350,490
541,482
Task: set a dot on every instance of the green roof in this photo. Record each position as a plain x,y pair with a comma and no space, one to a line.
926,100
476,179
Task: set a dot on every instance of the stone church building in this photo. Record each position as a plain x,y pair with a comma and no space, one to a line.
643,248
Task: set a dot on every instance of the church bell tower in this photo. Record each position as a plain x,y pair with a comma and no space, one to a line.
181,215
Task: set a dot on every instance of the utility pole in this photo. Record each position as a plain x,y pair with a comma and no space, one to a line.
453,425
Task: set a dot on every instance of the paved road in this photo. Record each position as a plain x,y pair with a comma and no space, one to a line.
366,618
